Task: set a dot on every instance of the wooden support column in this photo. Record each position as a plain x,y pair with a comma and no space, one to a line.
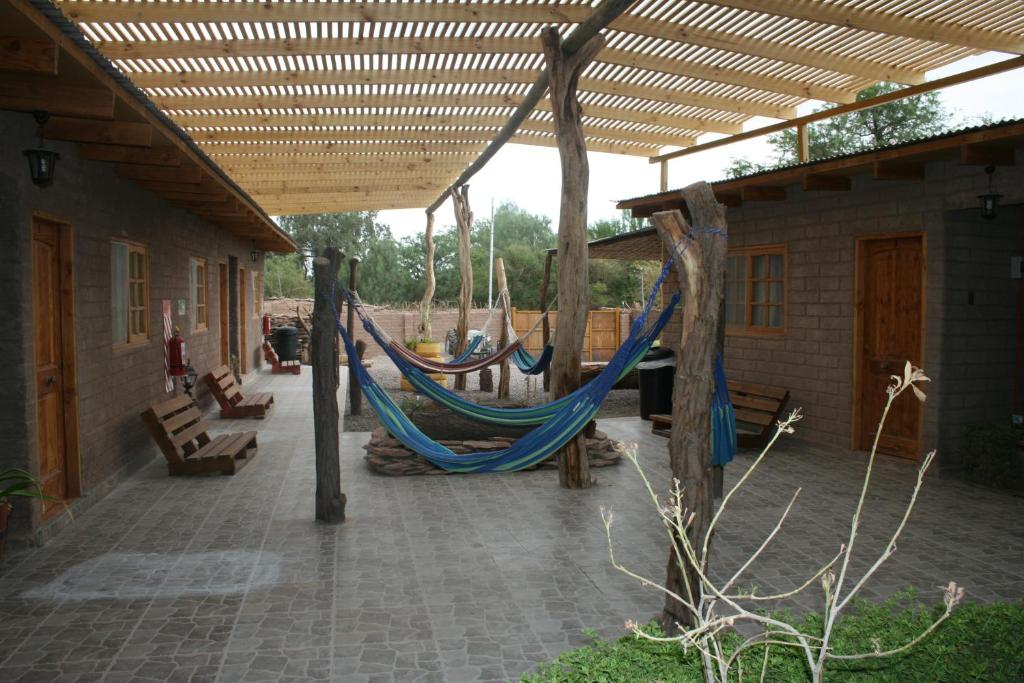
573,281
330,501
546,322
464,221
505,377
664,175
424,330
355,396
700,270
803,145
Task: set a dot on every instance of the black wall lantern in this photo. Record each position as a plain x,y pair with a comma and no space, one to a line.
41,162
989,201
255,254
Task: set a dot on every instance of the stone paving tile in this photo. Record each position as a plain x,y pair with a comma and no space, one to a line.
447,578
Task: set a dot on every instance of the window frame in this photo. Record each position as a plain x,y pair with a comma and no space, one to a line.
748,329
197,285
134,337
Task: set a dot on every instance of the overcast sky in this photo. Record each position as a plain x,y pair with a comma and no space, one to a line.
529,176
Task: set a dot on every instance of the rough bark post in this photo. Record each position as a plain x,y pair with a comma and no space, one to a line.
700,270
464,221
505,375
355,396
546,322
424,330
573,280
330,501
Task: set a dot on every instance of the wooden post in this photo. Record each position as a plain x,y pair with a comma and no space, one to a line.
664,175
700,270
803,146
505,375
355,396
330,501
546,322
424,330
464,221
573,281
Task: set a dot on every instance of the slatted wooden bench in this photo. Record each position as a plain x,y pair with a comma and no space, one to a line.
181,433
757,406
278,366
232,403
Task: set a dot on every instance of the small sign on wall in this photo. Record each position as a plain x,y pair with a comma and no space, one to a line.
181,307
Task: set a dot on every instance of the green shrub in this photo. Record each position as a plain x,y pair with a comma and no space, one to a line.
977,643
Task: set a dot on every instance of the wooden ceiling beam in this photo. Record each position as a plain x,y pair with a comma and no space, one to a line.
123,133
155,156
341,148
186,173
483,13
280,193
897,170
206,189
372,159
20,92
294,170
984,155
26,55
154,49
888,23
821,182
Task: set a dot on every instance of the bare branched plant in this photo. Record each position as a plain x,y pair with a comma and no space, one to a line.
718,607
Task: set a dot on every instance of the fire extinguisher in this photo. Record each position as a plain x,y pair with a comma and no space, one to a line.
266,324
178,355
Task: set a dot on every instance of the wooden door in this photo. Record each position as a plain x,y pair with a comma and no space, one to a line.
243,314
222,273
48,317
890,309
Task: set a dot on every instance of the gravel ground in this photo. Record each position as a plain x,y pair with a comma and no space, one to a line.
522,390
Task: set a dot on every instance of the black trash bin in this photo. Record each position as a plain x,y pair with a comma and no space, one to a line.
286,343
655,374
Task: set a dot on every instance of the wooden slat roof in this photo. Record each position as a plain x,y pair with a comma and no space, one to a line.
287,86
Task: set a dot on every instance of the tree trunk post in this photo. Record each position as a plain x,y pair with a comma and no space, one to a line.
505,376
355,396
546,322
464,220
700,270
573,279
424,330
330,501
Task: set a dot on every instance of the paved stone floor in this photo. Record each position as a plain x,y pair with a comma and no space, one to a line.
442,578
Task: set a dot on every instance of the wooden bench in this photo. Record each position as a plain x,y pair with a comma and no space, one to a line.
757,406
180,431
232,403
278,366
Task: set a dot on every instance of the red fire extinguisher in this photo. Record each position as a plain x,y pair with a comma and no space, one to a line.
266,324
177,355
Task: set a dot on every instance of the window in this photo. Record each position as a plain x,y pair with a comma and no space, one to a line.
257,294
755,290
197,274
129,292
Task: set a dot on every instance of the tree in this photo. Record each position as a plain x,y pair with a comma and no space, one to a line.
887,124
284,276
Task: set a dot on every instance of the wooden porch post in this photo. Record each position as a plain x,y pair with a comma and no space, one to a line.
464,221
355,396
506,319
546,322
330,501
573,281
700,270
424,330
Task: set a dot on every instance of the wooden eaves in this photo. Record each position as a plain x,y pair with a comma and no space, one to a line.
92,104
294,86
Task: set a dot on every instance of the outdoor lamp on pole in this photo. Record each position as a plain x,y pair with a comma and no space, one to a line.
989,200
41,161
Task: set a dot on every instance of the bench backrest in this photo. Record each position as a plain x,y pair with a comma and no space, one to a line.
270,354
757,404
178,427
222,386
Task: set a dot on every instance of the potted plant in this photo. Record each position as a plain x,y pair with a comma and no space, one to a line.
428,349
15,482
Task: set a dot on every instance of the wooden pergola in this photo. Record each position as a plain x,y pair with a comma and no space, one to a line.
330,106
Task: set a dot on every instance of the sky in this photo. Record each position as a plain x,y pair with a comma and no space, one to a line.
530,176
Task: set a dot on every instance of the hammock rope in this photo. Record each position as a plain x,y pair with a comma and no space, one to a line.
543,441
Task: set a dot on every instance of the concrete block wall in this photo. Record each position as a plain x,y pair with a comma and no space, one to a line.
814,358
114,384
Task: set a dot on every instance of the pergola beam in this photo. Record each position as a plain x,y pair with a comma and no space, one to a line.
481,13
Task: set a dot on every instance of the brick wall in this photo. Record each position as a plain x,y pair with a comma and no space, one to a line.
114,385
402,325
968,348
